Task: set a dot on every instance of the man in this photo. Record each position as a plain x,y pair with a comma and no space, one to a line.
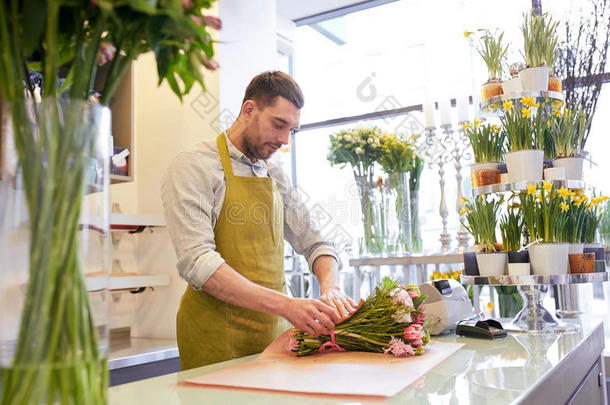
228,210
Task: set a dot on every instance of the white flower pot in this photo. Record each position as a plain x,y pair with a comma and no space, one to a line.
572,165
491,264
525,165
591,245
512,86
535,78
519,269
555,173
574,248
549,258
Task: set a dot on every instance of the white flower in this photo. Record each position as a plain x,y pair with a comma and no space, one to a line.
370,141
402,296
359,151
402,316
339,137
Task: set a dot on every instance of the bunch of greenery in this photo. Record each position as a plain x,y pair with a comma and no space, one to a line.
358,147
511,227
568,130
524,128
592,217
543,210
488,141
575,213
539,39
382,324
481,215
604,225
492,50
398,153
57,359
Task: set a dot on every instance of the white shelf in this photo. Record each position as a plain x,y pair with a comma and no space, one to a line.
498,100
127,282
136,220
522,186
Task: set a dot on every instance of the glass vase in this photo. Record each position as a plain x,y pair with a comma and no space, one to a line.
399,184
54,252
510,304
371,205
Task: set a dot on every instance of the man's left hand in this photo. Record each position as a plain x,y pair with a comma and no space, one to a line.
333,296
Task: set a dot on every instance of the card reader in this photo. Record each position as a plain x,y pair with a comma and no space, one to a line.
487,329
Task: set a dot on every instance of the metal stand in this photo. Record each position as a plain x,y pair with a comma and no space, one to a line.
461,151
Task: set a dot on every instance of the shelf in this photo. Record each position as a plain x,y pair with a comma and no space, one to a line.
129,221
126,282
522,186
498,100
117,178
552,279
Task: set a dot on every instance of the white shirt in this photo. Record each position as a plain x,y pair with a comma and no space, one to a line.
193,191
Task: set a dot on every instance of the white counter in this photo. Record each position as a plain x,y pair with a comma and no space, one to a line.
522,368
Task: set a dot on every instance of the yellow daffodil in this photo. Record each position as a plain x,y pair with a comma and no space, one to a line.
490,306
465,125
547,186
531,189
464,200
462,211
507,105
564,206
477,123
539,196
526,112
578,202
567,112
564,193
589,206
495,129
528,101
557,103
557,113
467,34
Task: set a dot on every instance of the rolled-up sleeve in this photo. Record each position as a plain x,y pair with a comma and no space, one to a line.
299,229
188,199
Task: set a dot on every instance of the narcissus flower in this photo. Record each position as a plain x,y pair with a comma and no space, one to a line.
557,113
526,112
531,189
547,186
508,105
564,206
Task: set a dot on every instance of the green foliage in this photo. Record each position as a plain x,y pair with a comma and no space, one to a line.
539,40
398,153
525,125
488,142
568,130
481,216
492,50
543,211
511,227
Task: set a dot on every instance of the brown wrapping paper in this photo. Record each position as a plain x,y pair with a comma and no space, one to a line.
334,373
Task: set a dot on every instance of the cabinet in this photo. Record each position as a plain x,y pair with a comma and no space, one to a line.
122,107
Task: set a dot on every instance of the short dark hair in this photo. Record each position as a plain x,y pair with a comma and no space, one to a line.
265,87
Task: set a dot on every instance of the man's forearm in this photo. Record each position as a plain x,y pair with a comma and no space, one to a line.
228,285
326,270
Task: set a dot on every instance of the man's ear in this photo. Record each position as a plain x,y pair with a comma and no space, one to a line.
248,108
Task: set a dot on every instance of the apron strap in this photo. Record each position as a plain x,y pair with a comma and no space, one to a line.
223,150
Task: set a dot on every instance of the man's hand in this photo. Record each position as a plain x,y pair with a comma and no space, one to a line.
333,296
310,315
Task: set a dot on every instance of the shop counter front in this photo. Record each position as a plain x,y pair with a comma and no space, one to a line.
521,368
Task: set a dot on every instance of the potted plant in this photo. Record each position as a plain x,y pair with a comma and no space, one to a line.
572,230
60,131
511,228
481,216
551,56
361,148
538,37
488,144
524,126
492,50
544,218
591,220
568,133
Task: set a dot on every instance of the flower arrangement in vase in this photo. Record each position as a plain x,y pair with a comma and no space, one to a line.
540,45
524,125
481,216
488,145
493,50
59,131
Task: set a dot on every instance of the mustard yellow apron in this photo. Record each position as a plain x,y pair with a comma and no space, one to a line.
249,235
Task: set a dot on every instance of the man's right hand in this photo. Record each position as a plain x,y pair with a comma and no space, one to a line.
310,315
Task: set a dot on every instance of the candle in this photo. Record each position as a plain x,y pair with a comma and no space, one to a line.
463,109
429,115
445,107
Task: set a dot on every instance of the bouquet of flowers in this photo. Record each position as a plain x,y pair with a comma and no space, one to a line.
390,321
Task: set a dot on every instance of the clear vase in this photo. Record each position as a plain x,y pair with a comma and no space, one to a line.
510,304
399,183
54,252
372,210
416,245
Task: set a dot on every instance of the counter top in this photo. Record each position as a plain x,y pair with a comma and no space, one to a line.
520,367
131,351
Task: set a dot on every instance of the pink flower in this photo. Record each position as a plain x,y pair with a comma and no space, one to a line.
417,343
187,4
413,294
106,53
207,20
402,297
399,348
419,319
413,332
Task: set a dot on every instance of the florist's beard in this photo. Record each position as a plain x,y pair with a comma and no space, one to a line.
255,147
